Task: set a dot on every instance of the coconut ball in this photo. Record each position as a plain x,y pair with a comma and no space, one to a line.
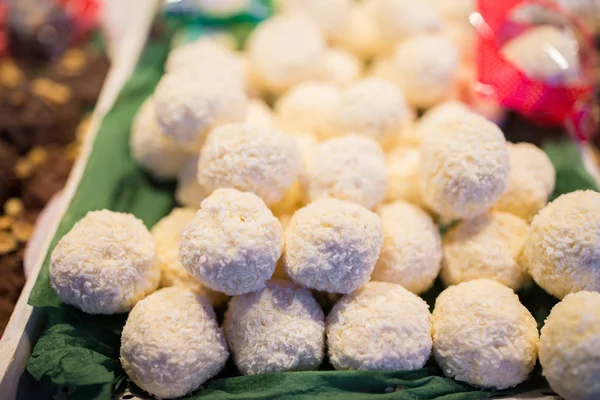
158,154
569,347
284,50
374,108
487,246
562,249
204,54
464,166
411,255
259,113
308,107
531,181
349,168
454,10
105,264
189,192
188,105
403,165
233,243
330,16
251,158
400,20
545,53
332,246
278,328
438,113
483,335
381,326
359,35
171,343
340,67
425,68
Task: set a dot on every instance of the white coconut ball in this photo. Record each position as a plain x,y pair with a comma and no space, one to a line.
279,328
105,264
171,343
330,16
189,192
332,246
204,54
464,166
381,326
308,107
545,53
531,182
374,108
569,347
259,113
454,10
157,153
425,68
403,165
488,247
233,243
359,35
349,168
189,105
251,158
284,50
411,255
340,67
562,250
483,335
439,113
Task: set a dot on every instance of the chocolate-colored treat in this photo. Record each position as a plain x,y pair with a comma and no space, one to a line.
8,179
11,284
47,179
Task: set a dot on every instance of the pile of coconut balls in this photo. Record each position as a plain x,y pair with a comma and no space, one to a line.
302,170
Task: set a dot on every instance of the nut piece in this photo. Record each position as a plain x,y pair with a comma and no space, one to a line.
13,207
8,244
51,91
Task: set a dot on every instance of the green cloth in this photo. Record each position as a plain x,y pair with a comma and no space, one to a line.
78,354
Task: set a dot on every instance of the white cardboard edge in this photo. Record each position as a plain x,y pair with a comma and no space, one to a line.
23,328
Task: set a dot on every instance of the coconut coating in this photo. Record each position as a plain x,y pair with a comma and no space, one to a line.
166,234
233,243
105,264
411,255
284,50
202,54
381,326
155,152
403,165
487,246
189,192
332,246
349,168
340,67
171,343
308,107
330,16
279,328
570,347
189,104
545,53
562,249
438,113
359,34
483,335
464,166
531,181
251,158
425,68
372,107
259,113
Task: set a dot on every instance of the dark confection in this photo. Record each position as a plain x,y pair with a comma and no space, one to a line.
11,284
8,179
47,179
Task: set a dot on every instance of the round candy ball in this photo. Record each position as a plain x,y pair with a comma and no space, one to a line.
171,343
563,246
157,153
340,67
202,54
381,326
259,113
189,192
105,264
403,165
487,246
284,50
233,243
483,335
349,168
569,350
330,16
464,166
531,181
411,255
308,108
189,104
332,246
374,108
279,328
437,114
250,158
359,34
425,68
